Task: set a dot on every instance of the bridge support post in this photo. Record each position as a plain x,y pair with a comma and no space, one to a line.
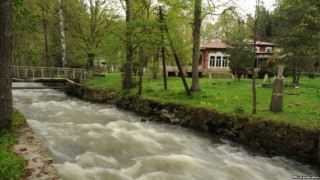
26,72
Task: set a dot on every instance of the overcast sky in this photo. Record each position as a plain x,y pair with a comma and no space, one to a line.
248,6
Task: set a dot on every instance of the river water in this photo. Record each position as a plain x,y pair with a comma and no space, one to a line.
98,141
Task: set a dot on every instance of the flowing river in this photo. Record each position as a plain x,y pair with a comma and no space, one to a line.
98,141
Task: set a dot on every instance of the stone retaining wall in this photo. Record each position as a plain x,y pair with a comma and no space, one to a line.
268,136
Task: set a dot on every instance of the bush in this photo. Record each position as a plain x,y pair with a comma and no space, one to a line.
269,68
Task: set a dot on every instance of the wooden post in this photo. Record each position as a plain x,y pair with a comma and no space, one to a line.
58,72
74,74
42,72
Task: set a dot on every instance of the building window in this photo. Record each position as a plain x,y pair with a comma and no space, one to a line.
269,49
225,61
212,61
257,48
218,61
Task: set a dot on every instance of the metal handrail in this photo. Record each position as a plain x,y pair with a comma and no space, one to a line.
47,72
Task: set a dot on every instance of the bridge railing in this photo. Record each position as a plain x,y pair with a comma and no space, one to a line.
30,72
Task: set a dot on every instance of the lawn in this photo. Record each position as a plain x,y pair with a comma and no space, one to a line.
11,165
223,95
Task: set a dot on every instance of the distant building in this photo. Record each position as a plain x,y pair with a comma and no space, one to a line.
264,50
213,58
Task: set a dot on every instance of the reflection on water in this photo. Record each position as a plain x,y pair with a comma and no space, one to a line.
94,141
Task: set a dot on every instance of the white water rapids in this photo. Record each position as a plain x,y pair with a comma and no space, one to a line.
97,141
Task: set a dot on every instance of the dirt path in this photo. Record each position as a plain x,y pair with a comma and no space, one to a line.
39,161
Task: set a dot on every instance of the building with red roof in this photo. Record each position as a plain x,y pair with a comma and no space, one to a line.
214,58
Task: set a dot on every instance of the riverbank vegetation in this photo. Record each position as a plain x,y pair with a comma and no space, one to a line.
11,165
301,106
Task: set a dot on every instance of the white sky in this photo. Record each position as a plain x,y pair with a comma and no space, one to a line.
248,6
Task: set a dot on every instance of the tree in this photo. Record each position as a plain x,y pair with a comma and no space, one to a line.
297,31
128,79
256,29
196,46
5,64
239,54
62,35
44,10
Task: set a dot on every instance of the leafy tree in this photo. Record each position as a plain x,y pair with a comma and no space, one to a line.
297,24
240,55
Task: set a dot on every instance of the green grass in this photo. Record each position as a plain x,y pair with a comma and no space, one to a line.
11,165
226,96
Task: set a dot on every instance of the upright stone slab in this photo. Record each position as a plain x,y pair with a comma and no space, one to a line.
277,95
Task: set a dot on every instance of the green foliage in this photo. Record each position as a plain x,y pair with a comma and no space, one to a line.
296,30
11,166
23,18
269,68
240,55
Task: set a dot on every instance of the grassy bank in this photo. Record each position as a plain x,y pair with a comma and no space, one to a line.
302,110
11,166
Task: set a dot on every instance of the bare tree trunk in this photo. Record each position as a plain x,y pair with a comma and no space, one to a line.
196,46
177,61
62,36
128,80
163,50
46,35
235,75
90,61
5,64
294,72
298,76
141,62
155,66
255,38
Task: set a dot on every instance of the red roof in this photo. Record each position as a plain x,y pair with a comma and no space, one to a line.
215,45
261,43
264,43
